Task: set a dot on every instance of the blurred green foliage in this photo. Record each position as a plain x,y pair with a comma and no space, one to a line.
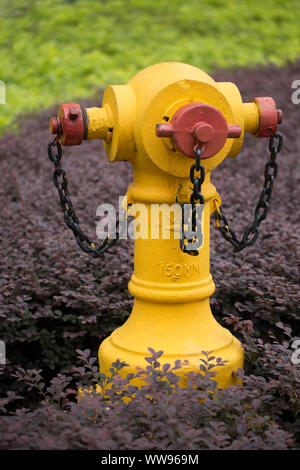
53,51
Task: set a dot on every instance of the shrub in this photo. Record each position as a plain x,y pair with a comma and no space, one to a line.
160,415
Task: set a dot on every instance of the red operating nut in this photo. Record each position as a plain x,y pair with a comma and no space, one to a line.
70,124
198,124
269,116
203,132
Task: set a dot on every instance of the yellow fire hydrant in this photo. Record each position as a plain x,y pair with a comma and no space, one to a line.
158,122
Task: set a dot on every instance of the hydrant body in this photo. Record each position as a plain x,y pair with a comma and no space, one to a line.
171,289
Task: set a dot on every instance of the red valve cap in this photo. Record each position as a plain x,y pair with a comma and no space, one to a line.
70,124
198,124
269,116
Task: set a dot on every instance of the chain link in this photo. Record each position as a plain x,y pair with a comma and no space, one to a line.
70,217
196,198
251,234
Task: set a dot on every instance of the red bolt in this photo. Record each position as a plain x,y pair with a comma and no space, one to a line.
73,113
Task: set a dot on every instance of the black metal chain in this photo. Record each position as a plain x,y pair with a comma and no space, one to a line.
261,210
196,198
71,219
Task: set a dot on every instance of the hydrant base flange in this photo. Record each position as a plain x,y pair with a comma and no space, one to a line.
183,337
225,375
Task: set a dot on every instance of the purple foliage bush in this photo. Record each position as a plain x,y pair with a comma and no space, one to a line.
160,415
54,301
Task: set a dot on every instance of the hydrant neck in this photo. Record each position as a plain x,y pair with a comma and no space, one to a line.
163,273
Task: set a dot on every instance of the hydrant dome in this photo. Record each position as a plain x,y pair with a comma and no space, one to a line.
164,71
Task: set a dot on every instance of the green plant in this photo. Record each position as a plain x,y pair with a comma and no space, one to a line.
56,51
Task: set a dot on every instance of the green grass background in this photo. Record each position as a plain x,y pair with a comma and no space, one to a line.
55,51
